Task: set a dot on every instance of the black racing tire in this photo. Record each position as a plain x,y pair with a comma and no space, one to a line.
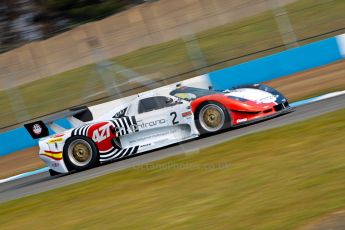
212,117
80,153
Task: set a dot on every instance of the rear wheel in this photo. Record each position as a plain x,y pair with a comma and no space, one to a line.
80,153
212,117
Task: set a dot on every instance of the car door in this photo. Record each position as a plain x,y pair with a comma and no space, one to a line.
157,111
157,118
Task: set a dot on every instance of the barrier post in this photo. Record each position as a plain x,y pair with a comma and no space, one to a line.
283,21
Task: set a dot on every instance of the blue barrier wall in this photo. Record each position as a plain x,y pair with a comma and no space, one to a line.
277,65
256,71
15,140
18,139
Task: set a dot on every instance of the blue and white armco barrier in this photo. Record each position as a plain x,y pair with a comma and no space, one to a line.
281,64
260,70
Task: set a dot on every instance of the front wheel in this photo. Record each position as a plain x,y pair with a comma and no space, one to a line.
212,117
80,153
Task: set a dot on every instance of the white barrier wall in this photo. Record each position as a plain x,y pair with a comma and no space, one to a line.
341,44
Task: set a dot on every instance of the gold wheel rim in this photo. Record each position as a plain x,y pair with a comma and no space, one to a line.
212,117
81,152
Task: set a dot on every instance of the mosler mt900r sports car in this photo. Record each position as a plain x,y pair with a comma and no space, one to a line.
150,121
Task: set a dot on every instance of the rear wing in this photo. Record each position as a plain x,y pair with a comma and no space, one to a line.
76,116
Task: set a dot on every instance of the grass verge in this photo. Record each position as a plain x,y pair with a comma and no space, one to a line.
278,179
309,18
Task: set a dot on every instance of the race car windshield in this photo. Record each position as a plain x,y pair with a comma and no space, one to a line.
191,93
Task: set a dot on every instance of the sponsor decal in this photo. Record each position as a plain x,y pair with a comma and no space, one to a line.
152,123
37,129
102,134
54,140
241,120
146,145
267,99
55,165
187,114
59,135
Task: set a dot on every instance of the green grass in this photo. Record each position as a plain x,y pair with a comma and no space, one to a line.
309,18
278,179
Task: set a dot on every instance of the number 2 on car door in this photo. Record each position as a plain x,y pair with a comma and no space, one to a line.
174,114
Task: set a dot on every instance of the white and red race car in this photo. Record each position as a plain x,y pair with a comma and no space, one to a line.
150,121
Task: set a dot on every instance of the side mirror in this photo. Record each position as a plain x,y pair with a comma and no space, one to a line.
210,87
169,100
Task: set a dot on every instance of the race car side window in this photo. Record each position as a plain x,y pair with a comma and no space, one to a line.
153,103
185,96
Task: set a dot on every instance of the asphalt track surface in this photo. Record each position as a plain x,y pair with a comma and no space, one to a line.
43,182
